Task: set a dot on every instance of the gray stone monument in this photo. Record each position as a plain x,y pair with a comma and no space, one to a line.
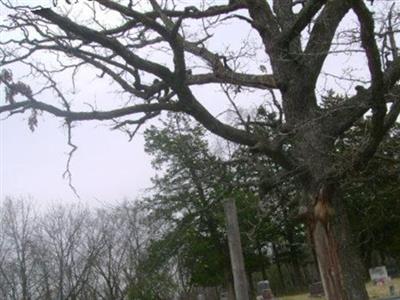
316,289
264,291
262,285
378,274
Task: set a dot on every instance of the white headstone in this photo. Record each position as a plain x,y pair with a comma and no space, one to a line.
378,274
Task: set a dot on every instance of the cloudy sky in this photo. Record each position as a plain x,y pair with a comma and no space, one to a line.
106,167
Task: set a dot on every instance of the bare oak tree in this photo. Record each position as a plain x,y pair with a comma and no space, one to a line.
295,37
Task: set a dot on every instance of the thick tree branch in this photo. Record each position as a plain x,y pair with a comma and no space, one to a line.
378,103
321,36
284,12
223,73
256,81
342,117
90,115
371,49
383,90
303,19
392,74
262,144
192,12
393,113
263,21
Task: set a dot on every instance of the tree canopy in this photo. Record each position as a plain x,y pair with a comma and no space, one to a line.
165,56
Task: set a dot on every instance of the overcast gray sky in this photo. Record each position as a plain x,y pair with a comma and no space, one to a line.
106,168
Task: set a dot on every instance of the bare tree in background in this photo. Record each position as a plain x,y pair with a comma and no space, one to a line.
295,38
18,263
111,262
69,252
123,244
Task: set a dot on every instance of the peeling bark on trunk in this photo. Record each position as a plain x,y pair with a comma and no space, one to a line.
328,262
338,261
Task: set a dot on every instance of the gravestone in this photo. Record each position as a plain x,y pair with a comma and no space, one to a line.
316,289
379,274
262,285
264,291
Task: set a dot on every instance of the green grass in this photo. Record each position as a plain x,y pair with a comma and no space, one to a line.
374,292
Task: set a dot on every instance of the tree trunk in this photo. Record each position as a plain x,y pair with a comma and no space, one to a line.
235,250
338,261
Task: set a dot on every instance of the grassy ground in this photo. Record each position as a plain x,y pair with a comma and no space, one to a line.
374,292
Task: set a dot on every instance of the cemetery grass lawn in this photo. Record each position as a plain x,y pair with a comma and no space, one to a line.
374,292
